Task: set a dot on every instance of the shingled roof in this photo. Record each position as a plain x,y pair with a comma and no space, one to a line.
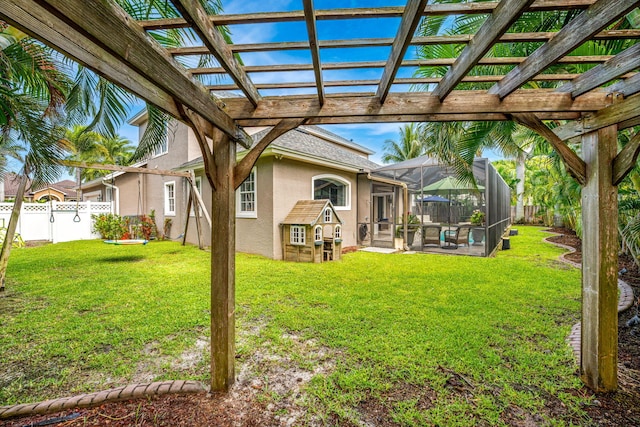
301,141
309,212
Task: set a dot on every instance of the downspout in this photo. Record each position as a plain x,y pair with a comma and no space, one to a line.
115,191
405,199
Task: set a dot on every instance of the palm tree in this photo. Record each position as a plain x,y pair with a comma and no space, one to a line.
409,147
33,94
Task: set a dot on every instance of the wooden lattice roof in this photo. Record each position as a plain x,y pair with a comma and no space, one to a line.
102,36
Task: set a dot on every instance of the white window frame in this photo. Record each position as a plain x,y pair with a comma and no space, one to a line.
240,191
297,235
167,198
328,217
337,232
339,179
317,234
199,187
163,149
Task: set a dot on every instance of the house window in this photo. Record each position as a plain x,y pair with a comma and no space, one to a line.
246,197
317,233
327,215
333,188
338,232
199,188
109,194
170,198
297,235
163,148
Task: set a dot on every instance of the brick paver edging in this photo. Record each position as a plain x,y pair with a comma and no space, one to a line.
131,391
625,298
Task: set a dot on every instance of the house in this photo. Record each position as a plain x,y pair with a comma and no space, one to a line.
60,191
307,163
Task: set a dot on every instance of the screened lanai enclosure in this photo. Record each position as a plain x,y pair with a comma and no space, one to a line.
444,214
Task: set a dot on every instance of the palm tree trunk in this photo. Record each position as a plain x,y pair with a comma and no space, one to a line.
520,169
11,229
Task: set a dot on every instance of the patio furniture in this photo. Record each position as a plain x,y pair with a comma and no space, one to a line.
431,235
457,237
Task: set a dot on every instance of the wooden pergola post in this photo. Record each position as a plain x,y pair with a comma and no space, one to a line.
599,341
223,249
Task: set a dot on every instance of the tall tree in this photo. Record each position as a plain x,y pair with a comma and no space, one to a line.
409,146
36,90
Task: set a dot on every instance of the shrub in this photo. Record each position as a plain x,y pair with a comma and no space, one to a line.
109,226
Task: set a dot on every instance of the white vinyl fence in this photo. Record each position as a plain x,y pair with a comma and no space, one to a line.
55,221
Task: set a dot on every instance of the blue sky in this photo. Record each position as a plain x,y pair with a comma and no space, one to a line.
371,136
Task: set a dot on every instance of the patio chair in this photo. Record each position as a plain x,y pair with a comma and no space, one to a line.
458,237
431,235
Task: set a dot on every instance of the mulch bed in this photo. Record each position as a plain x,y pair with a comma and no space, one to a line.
607,409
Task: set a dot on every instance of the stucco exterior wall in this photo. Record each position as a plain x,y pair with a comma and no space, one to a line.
255,235
294,182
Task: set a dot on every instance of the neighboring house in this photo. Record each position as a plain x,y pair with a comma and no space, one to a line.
308,163
60,191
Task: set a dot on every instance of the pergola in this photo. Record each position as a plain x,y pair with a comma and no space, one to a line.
101,36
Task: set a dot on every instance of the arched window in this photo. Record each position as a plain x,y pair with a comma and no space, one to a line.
337,234
327,215
333,188
317,233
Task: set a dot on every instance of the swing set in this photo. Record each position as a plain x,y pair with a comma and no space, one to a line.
194,199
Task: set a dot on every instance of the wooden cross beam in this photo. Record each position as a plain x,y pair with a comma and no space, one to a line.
118,168
312,32
572,35
626,159
503,16
444,9
195,15
410,20
628,87
574,164
625,61
611,115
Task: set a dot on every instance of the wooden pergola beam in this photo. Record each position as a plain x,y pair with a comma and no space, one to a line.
312,32
408,118
384,42
611,115
625,61
572,35
363,13
432,62
403,81
118,168
458,102
196,17
574,164
106,25
408,24
626,159
244,166
628,87
496,24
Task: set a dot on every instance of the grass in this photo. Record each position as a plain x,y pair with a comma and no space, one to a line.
432,339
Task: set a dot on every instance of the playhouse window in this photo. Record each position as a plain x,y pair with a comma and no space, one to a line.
297,235
327,215
170,198
246,197
317,233
333,188
338,232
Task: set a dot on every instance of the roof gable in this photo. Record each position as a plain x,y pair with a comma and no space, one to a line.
310,212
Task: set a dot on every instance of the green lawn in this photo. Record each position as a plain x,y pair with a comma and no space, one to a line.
432,339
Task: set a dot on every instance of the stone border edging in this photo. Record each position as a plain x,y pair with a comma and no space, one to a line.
127,392
625,299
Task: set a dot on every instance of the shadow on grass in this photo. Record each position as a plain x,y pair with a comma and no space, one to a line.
123,258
